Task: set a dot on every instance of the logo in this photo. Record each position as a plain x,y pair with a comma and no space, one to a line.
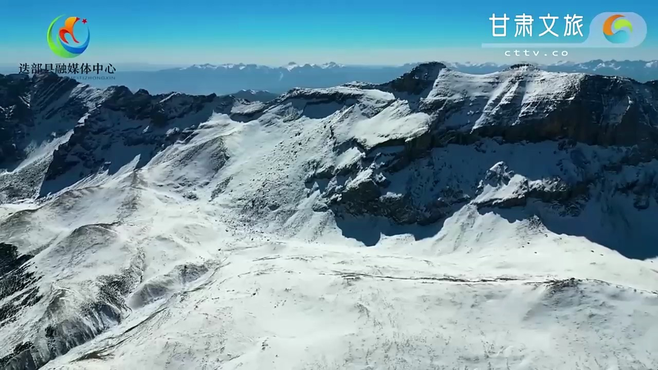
620,30
617,29
63,42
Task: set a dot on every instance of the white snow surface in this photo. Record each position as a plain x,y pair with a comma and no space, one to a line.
489,93
252,276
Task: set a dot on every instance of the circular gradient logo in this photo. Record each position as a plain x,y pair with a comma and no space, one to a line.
64,42
617,29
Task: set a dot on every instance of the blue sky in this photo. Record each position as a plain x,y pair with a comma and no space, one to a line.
274,32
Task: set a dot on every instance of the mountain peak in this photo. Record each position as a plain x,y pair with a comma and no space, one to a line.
428,71
331,65
420,79
524,66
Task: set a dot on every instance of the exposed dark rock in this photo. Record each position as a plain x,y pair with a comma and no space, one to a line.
528,66
20,359
17,281
559,286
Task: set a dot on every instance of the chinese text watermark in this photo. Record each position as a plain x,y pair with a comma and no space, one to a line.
559,32
525,22
84,71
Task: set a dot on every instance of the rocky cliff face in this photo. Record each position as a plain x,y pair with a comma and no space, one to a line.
508,139
435,153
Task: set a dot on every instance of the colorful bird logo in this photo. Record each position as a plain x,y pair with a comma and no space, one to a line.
61,43
613,29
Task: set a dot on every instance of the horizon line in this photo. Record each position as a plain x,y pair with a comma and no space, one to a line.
464,63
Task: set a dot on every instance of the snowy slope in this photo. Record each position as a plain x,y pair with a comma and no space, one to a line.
437,221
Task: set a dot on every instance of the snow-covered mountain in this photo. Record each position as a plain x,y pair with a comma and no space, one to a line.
510,218
228,78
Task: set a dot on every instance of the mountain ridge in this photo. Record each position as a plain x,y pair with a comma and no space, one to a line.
163,110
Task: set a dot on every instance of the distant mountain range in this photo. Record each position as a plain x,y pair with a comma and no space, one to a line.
229,78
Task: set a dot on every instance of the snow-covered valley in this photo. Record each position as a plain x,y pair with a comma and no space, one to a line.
439,221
